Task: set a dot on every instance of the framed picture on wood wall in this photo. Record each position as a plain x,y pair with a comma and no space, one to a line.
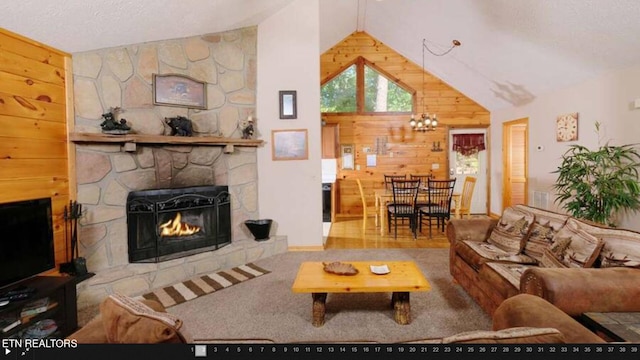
179,90
289,144
348,157
288,107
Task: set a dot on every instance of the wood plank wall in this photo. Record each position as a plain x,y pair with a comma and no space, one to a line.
33,118
406,151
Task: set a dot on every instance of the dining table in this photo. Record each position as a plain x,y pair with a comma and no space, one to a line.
384,196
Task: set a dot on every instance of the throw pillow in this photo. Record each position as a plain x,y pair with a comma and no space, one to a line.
540,238
128,321
546,225
574,247
512,230
516,335
552,259
621,247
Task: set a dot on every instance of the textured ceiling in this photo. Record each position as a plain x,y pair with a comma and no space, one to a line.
512,50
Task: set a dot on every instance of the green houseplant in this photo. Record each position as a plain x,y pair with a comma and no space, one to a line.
598,184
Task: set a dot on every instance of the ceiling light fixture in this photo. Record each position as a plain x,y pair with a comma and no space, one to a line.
427,122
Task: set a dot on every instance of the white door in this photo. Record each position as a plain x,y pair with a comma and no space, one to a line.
475,165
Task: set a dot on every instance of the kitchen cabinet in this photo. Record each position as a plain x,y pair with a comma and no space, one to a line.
330,141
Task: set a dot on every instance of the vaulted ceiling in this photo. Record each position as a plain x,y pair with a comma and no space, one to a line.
512,50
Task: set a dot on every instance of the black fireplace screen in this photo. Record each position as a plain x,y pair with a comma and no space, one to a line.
167,224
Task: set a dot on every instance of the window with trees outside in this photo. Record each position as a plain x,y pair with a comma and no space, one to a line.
341,93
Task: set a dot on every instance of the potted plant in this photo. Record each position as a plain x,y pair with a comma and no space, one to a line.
598,185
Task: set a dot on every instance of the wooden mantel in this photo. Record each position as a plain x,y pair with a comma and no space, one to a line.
129,141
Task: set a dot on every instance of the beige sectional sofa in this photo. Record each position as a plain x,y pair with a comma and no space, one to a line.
576,265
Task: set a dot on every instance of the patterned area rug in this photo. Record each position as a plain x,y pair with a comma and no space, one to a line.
206,284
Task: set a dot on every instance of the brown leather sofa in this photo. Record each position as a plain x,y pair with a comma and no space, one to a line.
533,311
596,270
123,320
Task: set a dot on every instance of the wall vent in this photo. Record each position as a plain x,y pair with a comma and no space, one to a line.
541,199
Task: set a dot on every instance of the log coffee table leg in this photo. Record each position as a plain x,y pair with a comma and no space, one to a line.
319,307
401,307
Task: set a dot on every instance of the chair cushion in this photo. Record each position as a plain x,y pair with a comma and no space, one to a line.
510,271
502,285
512,230
400,209
476,253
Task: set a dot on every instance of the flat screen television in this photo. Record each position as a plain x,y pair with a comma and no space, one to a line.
26,240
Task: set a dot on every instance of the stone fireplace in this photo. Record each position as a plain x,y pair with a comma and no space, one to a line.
107,172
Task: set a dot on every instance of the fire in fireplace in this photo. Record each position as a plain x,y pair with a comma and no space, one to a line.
166,224
175,227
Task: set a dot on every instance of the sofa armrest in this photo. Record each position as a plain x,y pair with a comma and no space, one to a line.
478,229
577,290
94,332
524,310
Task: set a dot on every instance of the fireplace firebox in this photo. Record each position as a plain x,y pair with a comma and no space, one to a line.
165,224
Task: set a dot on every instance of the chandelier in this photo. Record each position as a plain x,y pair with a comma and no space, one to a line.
426,121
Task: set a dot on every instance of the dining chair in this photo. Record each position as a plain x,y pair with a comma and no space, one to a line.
439,196
365,211
424,179
466,195
405,193
389,178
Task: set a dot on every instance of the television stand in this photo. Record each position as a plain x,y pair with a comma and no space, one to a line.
60,309
18,293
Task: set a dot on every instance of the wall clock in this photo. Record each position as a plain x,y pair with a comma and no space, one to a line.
567,127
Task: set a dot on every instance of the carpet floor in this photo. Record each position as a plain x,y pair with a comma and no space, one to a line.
265,308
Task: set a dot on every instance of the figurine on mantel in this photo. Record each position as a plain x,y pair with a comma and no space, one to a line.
247,129
111,126
180,126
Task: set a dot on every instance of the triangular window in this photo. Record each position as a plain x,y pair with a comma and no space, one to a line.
383,95
379,94
339,93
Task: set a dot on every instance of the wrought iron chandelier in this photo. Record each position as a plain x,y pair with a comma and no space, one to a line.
426,121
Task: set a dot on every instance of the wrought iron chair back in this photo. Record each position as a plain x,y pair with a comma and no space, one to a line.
439,193
405,194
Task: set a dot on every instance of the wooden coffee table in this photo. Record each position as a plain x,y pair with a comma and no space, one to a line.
403,278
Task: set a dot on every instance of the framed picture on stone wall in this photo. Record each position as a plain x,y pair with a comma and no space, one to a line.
179,90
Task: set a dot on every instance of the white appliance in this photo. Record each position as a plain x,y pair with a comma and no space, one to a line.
329,170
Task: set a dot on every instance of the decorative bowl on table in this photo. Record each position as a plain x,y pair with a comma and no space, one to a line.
339,268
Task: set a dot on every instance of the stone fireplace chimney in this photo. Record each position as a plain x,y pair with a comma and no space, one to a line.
107,172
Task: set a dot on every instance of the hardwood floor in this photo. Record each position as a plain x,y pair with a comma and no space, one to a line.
347,234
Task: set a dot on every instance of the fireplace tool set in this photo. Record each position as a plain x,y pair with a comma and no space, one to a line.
77,265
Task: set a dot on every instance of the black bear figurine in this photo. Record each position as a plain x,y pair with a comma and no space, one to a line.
180,126
111,125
